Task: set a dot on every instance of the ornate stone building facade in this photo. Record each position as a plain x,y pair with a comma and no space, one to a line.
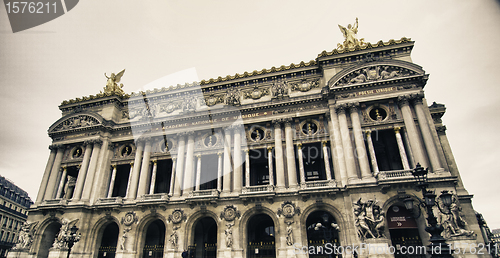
270,163
14,205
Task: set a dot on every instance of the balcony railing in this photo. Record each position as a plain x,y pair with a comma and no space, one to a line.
257,189
110,200
318,184
395,174
213,193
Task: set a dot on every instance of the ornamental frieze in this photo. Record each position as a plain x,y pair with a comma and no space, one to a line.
214,100
233,97
280,89
230,213
288,209
304,85
129,218
374,73
255,93
80,121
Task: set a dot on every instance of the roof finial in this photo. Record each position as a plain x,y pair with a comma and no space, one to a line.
350,40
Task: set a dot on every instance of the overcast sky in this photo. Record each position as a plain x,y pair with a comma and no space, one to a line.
456,42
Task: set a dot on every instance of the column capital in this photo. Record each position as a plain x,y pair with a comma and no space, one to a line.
246,151
113,166
155,162
97,142
131,164
396,129
64,168
277,122
55,146
324,143
417,98
299,145
441,130
404,100
287,121
174,158
368,132
198,156
269,149
219,154
341,108
353,106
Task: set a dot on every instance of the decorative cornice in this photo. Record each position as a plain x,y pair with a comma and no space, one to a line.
367,46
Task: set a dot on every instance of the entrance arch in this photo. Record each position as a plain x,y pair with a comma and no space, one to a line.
322,232
403,230
261,237
204,239
47,239
108,241
155,240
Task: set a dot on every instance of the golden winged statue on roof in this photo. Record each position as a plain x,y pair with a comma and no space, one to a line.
111,84
350,33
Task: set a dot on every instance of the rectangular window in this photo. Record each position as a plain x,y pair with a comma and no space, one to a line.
386,150
121,181
163,176
209,171
314,164
259,167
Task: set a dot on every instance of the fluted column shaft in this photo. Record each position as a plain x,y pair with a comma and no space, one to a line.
326,159
82,173
347,145
360,144
301,164
54,173
153,177
189,171
427,135
401,147
371,149
219,171
247,168
145,174
112,182
89,180
131,170
226,181
198,172
61,182
172,176
278,152
238,175
290,155
338,147
134,180
46,175
102,171
179,171
411,129
270,165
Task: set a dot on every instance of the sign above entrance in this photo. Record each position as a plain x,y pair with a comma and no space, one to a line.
400,217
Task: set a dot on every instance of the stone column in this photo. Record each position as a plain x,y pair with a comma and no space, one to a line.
270,165
46,174
112,182
411,128
54,173
290,154
219,171
247,167
134,179
129,177
427,135
102,172
278,152
153,177
61,182
82,173
401,147
301,165
326,158
338,148
346,143
371,149
237,175
226,181
145,174
198,172
172,176
89,181
179,171
189,170
360,143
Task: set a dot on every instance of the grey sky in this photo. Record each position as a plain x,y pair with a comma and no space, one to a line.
456,42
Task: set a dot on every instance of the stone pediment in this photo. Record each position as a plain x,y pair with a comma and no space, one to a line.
375,72
75,121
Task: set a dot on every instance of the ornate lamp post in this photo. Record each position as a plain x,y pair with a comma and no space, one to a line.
71,238
438,246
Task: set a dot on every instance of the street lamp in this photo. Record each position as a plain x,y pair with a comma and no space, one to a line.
71,238
433,228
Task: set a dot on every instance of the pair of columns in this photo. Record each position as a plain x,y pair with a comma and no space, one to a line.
401,148
290,155
343,143
55,174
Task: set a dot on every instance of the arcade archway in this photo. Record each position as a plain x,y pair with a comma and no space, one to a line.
109,239
47,239
205,239
261,237
155,240
404,232
322,233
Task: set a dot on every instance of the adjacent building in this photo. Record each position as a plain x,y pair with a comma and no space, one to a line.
14,205
281,162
